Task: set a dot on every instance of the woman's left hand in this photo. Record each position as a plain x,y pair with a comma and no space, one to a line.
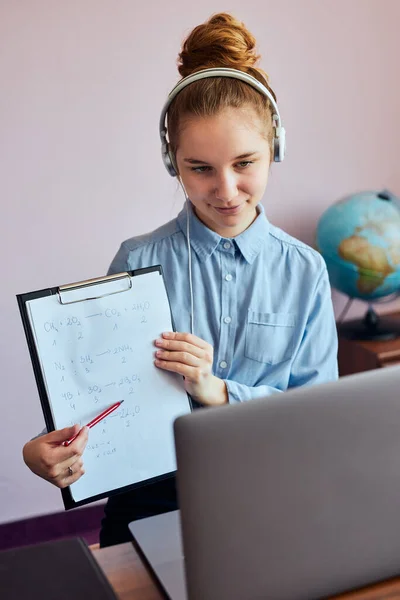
192,357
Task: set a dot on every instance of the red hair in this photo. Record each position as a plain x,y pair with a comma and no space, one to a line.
222,41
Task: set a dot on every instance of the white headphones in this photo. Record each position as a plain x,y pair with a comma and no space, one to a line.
279,137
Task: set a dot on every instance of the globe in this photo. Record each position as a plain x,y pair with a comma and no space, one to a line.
359,238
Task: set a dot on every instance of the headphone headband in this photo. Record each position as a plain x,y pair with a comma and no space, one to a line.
279,139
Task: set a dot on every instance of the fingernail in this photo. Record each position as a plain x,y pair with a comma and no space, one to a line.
167,334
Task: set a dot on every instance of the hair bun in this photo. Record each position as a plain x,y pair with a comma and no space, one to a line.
222,41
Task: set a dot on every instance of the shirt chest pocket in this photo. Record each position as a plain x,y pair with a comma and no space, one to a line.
269,336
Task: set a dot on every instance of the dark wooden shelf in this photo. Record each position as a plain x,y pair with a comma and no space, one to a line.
355,356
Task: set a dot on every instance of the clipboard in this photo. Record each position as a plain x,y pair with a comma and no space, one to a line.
103,330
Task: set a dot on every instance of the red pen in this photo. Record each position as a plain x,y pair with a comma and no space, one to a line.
96,420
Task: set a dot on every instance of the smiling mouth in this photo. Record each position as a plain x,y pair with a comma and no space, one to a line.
231,210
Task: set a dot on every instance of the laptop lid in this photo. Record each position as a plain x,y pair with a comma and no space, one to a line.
293,496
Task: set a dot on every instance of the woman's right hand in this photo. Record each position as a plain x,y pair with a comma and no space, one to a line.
47,457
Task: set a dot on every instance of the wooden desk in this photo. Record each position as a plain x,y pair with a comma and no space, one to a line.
131,581
126,573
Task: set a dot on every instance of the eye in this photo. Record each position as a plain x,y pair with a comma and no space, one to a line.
244,164
203,169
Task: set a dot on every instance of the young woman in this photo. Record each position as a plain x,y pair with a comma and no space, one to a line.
251,304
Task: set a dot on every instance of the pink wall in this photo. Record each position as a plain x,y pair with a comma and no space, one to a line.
82,85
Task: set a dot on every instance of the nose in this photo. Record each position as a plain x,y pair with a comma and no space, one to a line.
226,187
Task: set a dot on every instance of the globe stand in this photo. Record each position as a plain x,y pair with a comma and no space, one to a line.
371,327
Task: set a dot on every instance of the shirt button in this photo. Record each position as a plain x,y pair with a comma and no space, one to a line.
228,277
223,364
227,245
227,320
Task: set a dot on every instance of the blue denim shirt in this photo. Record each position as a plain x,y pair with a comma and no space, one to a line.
261,299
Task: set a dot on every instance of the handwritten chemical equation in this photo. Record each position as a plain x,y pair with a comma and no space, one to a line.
126,412
87,360
102,449
96,390
56,326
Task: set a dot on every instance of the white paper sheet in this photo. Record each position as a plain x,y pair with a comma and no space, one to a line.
96,352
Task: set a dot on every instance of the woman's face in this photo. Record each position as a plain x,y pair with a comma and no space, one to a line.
223,162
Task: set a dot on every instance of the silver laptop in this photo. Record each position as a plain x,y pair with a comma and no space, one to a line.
293,496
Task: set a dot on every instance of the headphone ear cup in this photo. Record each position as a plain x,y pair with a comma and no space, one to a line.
168,159
280,145
174,168
276,150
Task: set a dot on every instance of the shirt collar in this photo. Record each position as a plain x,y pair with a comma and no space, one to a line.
254,237
204,241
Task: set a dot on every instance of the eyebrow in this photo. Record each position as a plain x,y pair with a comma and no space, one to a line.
196,161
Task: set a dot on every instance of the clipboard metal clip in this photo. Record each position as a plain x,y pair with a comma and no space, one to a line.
92,282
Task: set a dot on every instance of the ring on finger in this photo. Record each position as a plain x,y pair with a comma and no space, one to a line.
70,472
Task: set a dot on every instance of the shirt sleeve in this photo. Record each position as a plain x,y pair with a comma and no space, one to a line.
316,358
239,392
119,263
43,432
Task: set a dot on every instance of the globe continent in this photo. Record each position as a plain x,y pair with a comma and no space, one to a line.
359,238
